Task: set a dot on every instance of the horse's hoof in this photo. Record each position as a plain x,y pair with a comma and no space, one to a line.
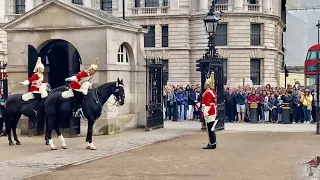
18,143
11,144
64,147
88,147
53,148
93,148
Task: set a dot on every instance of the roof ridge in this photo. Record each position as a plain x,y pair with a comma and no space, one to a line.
119,20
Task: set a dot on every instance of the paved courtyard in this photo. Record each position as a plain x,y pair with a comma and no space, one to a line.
240,156
34,158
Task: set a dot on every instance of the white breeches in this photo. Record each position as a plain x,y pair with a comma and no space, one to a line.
211,118
43,90
85,86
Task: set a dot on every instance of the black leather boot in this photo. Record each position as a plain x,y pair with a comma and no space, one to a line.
209,146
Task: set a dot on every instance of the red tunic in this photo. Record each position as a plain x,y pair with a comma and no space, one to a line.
81,77
35,80
208,99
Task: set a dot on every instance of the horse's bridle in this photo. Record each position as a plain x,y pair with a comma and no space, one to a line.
116,98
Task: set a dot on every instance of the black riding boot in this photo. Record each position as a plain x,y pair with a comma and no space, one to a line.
37,102
78,99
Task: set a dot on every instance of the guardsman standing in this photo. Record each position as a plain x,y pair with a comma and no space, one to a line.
209,104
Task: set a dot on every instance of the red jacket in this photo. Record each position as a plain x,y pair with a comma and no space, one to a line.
252,99
209,100
35,80
81,77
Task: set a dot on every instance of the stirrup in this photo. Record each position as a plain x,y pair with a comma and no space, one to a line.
36,112
78,113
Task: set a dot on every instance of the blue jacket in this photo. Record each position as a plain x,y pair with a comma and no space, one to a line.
180,98
241,98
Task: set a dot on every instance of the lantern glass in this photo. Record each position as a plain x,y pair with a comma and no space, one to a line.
211,23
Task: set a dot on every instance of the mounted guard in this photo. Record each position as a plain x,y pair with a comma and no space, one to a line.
80,86
209,104
38,89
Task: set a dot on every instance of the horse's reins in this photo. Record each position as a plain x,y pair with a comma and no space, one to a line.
113,105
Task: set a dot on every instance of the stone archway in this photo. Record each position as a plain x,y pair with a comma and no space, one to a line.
61,60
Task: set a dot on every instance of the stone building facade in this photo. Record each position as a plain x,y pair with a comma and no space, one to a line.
249,37
68,38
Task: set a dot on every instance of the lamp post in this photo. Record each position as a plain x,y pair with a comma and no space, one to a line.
211,62
317,84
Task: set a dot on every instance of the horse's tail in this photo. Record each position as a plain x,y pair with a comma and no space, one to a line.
41,118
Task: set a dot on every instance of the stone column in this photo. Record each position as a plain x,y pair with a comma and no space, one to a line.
2,10
238,5
29,5
266,6
87,3
203,5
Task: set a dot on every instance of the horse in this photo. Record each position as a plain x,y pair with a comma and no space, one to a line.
56,109
18,104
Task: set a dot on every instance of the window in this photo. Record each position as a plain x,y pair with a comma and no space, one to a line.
151,3
225,71
106,5
255,34
137,3
123,57
20,6
313,55
255,71
77,2
165,32
252,1
222,35
165,74
165,3
149,38
222,1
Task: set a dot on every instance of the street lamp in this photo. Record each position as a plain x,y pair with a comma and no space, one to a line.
317,84
211,62
211,23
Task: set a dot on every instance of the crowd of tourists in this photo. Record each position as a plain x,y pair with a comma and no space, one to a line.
300,100
185,102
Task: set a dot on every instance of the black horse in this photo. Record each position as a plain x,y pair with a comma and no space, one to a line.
56,109
15,107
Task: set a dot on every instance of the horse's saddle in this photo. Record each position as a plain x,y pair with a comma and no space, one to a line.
67,94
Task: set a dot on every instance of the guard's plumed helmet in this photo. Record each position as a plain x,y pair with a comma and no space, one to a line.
94,65
207,84
38,65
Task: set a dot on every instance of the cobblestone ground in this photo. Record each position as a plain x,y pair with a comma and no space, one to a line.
34,158
240,156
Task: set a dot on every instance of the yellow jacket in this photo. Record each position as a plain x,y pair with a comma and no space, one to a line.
306,100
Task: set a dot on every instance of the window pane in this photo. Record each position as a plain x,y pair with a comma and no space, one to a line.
77,2
127,59
255,71
222,35
255,34
165,3
106,5
222,1
313,55
20,6
165,35
137,3
119,60
149,38
151,3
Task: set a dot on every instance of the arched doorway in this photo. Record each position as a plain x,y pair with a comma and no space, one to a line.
61,60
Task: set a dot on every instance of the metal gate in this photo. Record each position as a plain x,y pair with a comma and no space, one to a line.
154,91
